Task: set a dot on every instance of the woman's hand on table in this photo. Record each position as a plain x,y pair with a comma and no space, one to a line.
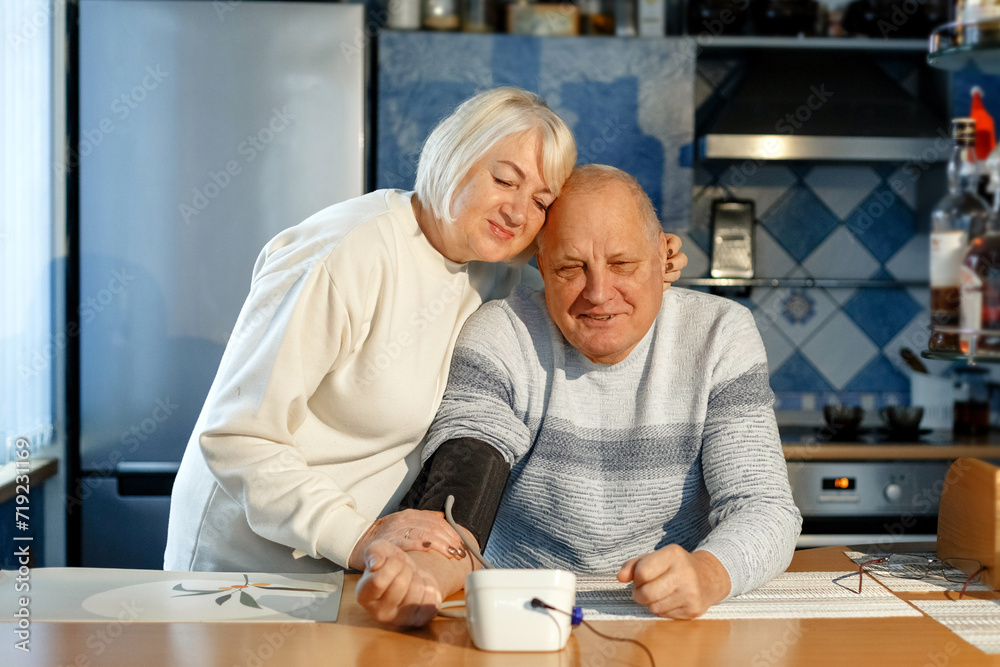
675,583
394,589
676,260
410,530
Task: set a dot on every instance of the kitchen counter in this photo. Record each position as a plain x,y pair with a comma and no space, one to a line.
810,443
842,451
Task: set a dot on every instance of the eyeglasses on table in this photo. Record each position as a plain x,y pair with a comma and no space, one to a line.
915,566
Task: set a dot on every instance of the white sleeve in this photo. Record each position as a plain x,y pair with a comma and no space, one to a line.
294,329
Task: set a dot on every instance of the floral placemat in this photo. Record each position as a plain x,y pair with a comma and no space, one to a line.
155,596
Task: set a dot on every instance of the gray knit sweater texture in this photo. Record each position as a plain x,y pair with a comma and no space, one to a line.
677,443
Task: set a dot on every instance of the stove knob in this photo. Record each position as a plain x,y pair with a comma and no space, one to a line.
893,492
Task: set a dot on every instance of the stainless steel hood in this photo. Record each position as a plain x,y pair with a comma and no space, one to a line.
807,105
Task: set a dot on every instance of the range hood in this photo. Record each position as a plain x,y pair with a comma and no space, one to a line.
799,105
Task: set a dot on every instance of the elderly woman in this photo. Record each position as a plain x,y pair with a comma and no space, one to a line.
340,356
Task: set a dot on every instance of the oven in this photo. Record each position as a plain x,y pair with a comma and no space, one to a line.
870,501
857,492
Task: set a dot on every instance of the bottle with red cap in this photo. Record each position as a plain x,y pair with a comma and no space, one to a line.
985,141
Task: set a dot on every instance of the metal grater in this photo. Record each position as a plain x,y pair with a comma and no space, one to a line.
732,239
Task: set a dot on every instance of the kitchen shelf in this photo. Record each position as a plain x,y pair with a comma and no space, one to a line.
812,43
973,359
969,356
40,470
955,46
799,282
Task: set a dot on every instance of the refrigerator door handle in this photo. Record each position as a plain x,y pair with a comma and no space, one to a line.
146,478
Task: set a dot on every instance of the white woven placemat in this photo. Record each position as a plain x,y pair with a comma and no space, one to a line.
899,585
789,595
975,621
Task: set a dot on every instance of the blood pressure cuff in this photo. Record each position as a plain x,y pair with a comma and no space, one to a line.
472,471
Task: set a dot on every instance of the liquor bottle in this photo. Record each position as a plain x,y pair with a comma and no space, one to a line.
958,218
979,279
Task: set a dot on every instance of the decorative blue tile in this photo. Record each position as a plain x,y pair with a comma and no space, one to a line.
798,307
881,313
799,222
883,223
879,376
798,375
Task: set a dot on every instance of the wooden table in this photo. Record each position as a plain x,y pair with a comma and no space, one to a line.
356,639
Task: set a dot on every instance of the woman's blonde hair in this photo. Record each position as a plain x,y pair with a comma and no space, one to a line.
474,127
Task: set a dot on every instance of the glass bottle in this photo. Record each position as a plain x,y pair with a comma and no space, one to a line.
479,15
979,279
959,217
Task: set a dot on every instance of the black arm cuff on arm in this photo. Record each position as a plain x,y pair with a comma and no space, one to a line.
472,471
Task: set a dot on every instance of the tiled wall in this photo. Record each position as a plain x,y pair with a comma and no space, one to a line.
828,221
828,345
821,221
628,102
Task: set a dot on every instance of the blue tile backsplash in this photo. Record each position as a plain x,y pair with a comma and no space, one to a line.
628,102
817,221
633,104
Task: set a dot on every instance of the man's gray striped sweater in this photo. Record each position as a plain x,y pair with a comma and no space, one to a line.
677,443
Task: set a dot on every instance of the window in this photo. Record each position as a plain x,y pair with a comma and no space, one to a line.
29,352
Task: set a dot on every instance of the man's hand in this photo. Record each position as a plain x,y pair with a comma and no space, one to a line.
395,589
410,530
675,261
675,583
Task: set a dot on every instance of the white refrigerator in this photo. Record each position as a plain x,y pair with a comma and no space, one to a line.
205,128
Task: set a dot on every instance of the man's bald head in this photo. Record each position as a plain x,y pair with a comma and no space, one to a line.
592,179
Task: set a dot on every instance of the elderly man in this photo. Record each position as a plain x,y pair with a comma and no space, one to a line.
635,424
